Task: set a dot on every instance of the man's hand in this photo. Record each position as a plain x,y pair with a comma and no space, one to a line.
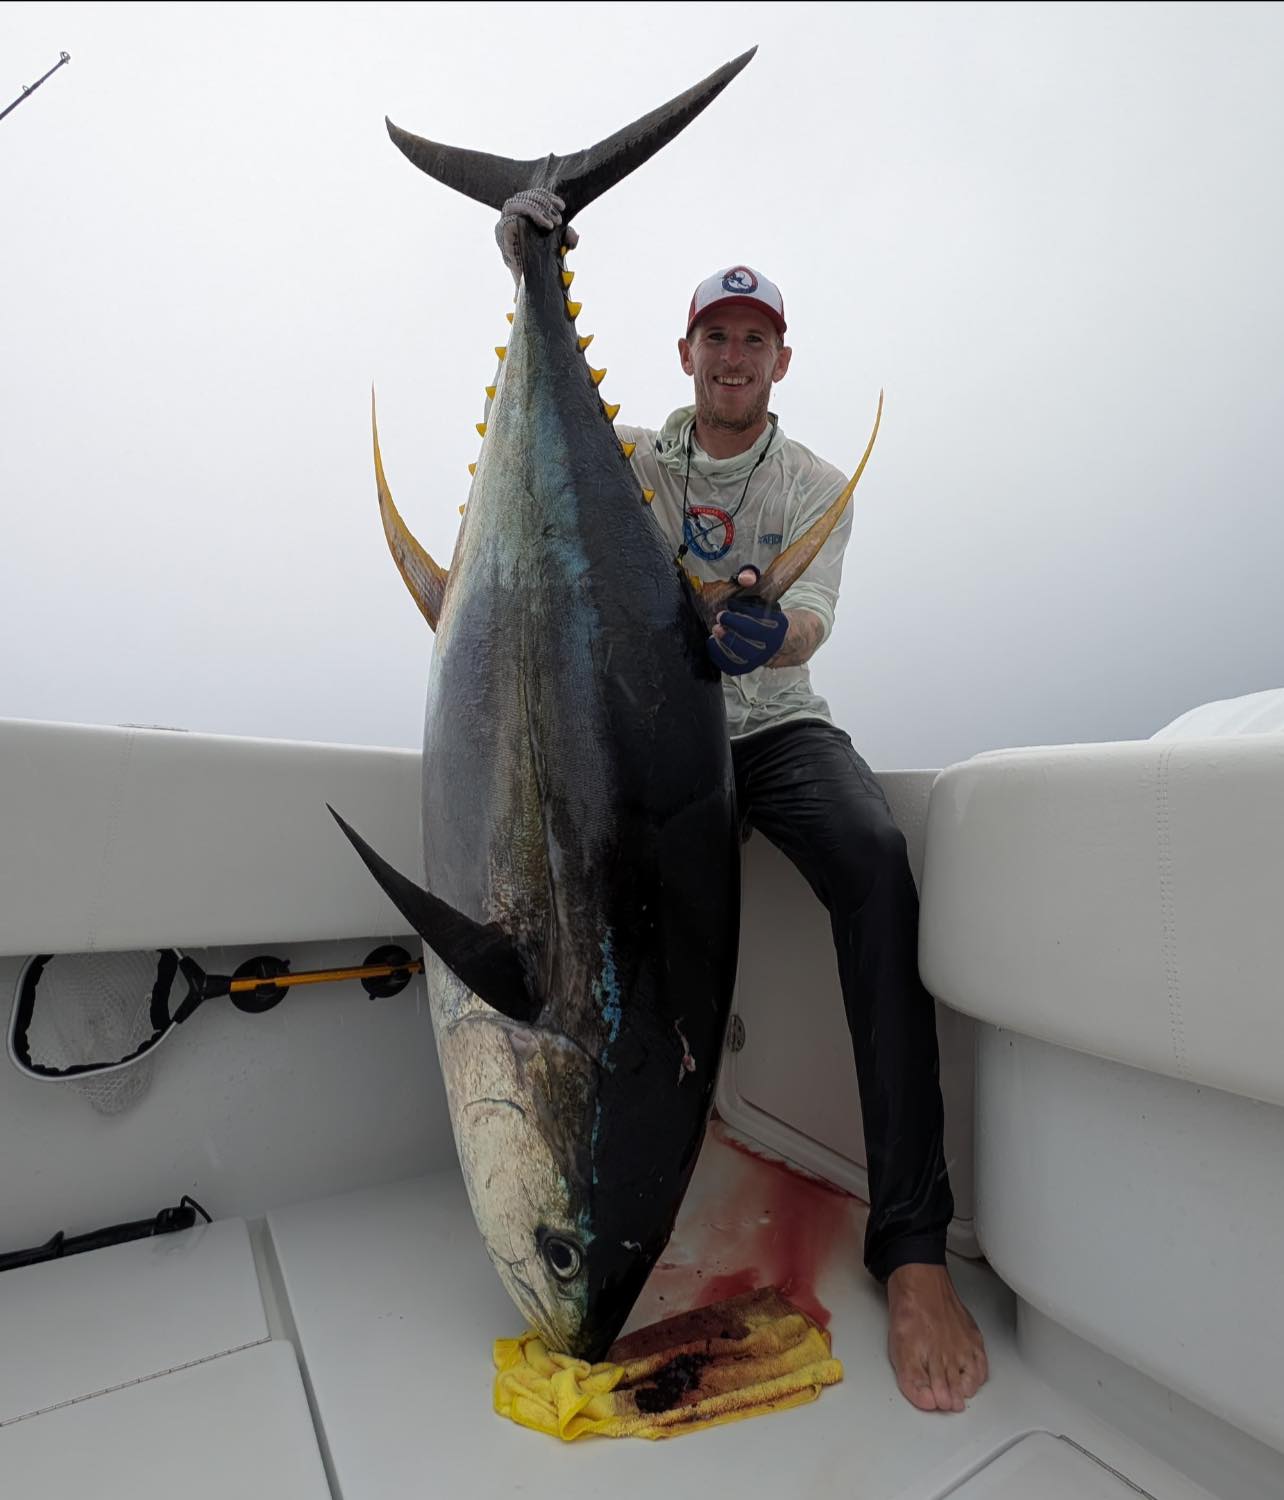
539,206
748,633
740,633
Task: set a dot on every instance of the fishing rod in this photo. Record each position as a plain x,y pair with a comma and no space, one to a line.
30,88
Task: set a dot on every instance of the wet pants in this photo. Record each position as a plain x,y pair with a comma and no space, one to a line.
805,787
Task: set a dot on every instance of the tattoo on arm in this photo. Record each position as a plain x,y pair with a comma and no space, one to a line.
805,633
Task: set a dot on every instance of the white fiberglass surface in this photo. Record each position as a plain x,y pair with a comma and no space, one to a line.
395,1308
72,1328
233,1426
1049,1468
241,1111
1142,1213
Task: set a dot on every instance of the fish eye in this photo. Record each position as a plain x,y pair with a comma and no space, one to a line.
562,1255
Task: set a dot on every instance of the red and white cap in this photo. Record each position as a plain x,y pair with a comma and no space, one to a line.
737,284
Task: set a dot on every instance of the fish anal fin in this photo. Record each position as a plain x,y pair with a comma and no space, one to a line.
794,561
481,955
423,577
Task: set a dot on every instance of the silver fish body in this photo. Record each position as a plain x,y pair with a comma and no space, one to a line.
577,794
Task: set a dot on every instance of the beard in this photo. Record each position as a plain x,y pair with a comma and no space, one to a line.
750,416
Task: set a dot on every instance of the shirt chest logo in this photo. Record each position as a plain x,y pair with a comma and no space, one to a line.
708,531
771,539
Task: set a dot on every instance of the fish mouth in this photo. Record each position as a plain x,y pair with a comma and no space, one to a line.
532,1304
536,1304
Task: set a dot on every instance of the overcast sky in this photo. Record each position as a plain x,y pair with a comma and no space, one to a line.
1054,234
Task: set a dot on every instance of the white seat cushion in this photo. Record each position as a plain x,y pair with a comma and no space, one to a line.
138,838
1122,899
1254,713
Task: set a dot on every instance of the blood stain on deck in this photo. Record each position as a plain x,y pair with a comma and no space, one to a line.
760,1223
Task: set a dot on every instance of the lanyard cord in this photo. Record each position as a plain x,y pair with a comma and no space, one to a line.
686,514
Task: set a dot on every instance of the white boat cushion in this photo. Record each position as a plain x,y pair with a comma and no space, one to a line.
1254,713
1123,899
139,838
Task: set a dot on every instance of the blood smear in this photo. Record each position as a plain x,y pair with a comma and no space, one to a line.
770,1226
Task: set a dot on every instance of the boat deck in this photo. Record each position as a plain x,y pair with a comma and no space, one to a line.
342,1346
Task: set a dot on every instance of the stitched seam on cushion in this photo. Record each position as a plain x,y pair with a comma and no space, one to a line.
1169,919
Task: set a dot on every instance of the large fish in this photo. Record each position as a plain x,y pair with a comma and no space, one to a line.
580,840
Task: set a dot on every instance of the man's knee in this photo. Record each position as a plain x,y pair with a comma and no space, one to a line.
870,859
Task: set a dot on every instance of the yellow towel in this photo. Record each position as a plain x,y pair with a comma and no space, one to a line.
740,1358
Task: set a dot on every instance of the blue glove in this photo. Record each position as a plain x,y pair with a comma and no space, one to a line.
755,631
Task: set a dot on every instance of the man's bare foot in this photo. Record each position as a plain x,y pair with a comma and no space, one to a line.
936,1349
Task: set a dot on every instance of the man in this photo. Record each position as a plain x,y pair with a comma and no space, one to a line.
731,492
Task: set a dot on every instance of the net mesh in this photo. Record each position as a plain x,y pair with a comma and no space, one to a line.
92,1008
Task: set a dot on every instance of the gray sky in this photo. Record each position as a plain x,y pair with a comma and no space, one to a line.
1053,234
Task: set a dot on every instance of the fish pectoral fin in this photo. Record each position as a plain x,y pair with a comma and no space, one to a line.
482,955
423,577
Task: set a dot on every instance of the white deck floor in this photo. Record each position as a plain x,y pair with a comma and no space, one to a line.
395,1306
181,1363
147,1370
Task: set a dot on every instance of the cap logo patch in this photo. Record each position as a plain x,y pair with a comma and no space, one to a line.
740,279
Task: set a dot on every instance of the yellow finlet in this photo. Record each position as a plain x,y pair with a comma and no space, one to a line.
574,308
628,449
562,250
611,411
501,351
472,468
596,376
481,428
647,496
584,341
490,392
567,277
509,316
697,583
462,509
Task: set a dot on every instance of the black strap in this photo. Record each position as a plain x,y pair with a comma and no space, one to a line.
168,1221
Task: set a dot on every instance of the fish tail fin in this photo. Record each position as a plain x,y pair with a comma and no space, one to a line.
579,177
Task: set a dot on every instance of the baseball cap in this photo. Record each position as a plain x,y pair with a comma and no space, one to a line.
737,284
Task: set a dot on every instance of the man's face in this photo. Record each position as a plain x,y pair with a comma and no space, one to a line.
735,356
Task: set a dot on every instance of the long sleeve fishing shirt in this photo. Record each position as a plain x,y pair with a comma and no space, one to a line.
741,510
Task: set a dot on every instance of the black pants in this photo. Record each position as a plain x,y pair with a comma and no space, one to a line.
807,790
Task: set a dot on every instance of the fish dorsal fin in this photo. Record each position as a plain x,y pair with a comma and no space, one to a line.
425,580
481,955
